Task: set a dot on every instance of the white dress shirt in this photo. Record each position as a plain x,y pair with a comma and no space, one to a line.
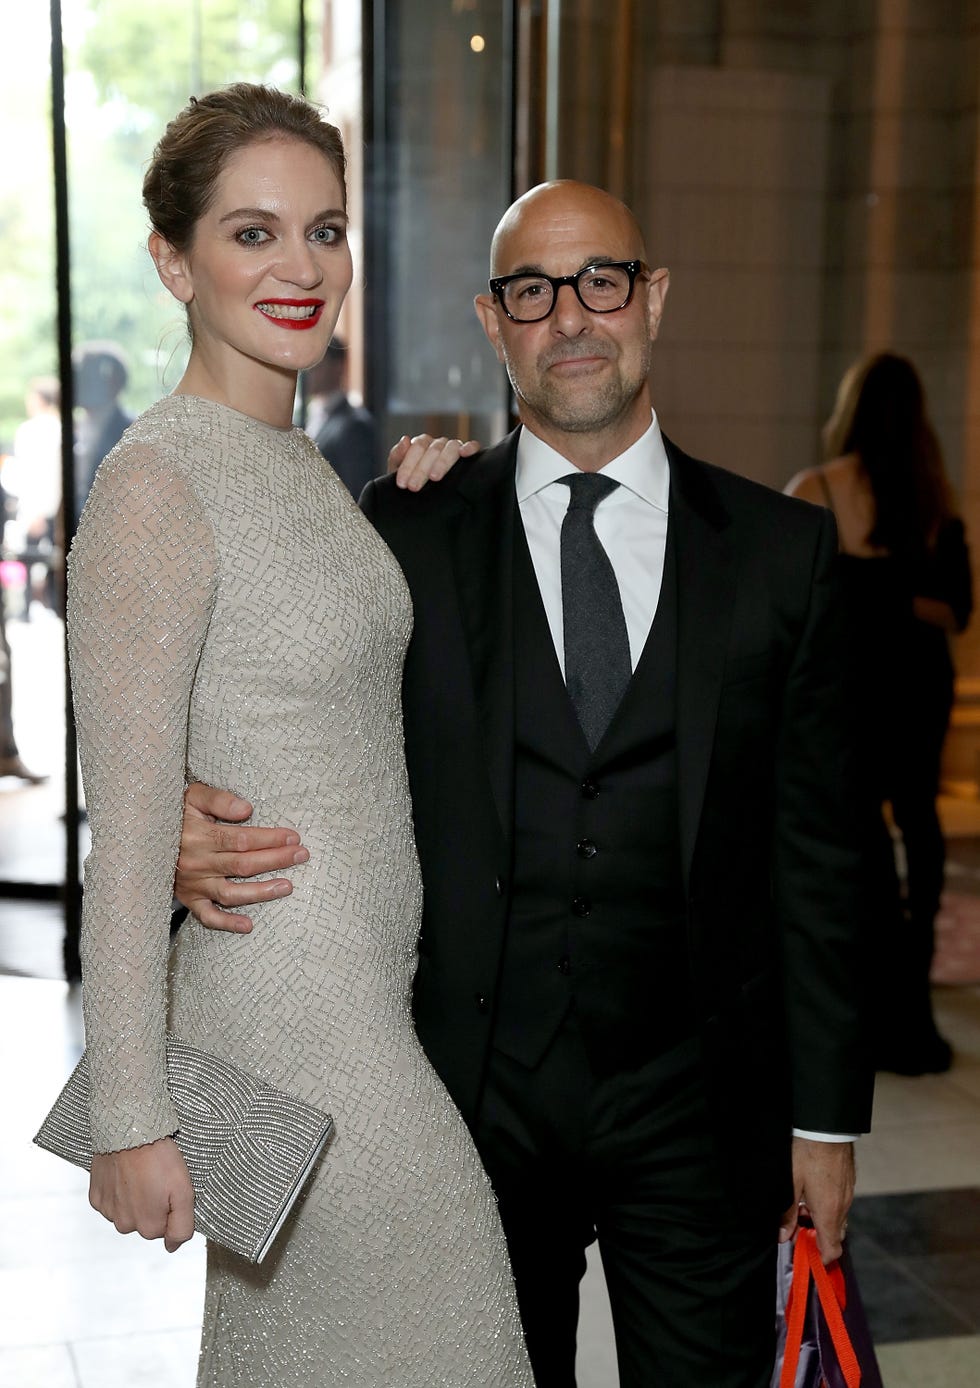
631,525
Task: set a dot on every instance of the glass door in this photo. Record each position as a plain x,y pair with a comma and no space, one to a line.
88,339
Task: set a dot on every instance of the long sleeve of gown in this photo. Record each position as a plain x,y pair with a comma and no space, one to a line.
141,590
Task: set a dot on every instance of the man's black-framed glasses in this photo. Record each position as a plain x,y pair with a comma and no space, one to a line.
527,298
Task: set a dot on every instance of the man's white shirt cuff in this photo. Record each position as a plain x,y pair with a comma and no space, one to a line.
826,1137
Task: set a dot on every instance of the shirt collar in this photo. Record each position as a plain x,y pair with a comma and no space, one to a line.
642,469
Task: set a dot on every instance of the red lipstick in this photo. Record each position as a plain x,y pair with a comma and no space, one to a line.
304,313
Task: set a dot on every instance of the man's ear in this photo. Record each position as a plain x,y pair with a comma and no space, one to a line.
171,267
657,288
486,311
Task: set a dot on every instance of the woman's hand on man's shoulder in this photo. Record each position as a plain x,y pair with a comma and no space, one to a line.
416,461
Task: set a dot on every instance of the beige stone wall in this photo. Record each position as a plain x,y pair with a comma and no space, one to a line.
730,185
811,174
809,170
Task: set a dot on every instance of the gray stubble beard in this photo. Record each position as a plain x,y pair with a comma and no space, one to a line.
604,406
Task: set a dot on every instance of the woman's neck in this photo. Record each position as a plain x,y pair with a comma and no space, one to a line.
263,392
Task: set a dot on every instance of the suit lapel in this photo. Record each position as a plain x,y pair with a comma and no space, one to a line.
705,598
483,547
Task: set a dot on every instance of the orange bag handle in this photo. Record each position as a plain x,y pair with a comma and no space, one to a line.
832,1293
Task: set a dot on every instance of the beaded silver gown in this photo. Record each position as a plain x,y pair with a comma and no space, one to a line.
234,619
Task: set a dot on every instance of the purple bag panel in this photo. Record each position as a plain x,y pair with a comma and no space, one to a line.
818,1366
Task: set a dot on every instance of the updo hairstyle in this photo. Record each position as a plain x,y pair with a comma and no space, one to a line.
180,183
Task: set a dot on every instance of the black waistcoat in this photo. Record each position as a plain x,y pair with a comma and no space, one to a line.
597,916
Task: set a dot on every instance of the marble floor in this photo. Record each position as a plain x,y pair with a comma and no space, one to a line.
83,1307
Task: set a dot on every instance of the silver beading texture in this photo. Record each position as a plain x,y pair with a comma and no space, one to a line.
249,1148
233,618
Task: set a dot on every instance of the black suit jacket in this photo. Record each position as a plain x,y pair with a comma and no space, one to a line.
348,439
769,846
87,461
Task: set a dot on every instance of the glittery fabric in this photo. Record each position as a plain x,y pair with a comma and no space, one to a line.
234,619
249,1147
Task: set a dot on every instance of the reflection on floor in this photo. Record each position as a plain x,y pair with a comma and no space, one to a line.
84,1308
919,1260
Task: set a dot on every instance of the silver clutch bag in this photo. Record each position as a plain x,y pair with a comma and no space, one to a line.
249,1148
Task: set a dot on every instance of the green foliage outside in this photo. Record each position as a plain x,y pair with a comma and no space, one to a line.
27,302
129,67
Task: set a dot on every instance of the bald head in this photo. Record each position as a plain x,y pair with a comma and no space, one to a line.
567,209
579,371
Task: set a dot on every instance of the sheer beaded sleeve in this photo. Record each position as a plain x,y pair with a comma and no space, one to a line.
141,587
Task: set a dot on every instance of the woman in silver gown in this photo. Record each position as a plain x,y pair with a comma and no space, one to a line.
234,619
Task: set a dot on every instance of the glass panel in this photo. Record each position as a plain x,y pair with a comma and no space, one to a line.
441,179
31,670
334,392
129,68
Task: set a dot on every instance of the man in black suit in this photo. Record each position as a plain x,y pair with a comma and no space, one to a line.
639,968
345,433
100,374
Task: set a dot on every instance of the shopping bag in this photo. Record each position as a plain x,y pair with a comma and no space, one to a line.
822,1332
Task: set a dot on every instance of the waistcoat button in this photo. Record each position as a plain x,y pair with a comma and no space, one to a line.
481,1003
589,790
581,906
564,966
586,849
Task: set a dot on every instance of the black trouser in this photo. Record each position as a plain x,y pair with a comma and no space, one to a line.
912,786
906,773
627,1159
8,744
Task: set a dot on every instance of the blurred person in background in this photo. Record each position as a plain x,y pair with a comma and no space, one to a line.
10,759
32,477
345,433
11,763
101,374
906,570
33,473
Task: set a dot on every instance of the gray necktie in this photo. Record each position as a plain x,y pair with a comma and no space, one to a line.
597,649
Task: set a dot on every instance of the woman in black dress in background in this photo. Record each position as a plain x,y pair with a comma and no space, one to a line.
906,572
